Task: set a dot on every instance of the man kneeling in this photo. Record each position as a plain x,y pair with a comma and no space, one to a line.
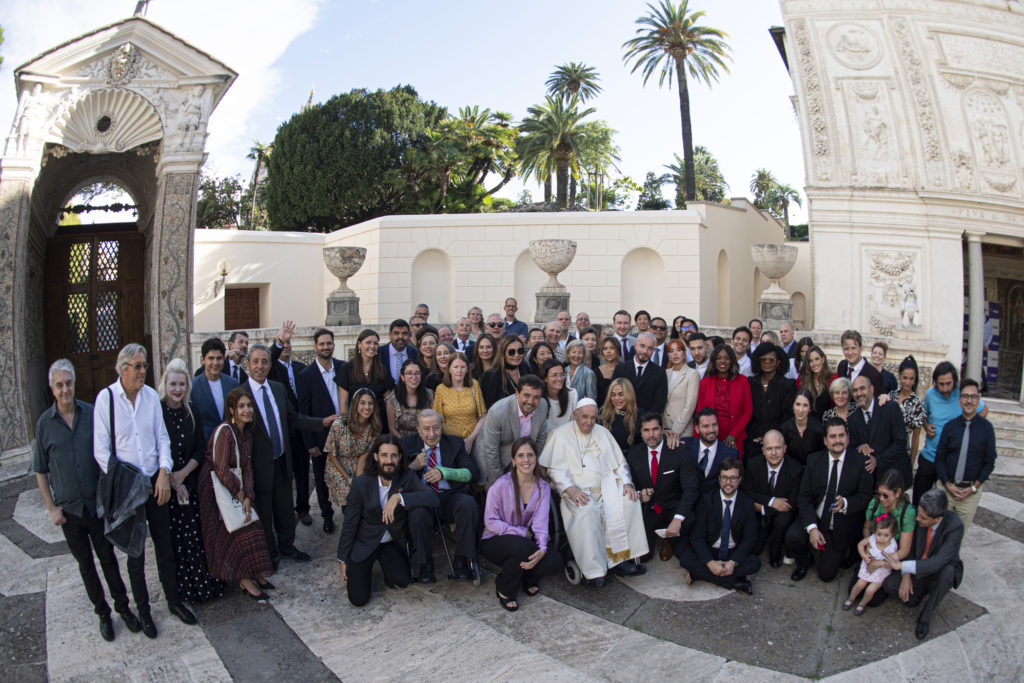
377,522
722,542
600,508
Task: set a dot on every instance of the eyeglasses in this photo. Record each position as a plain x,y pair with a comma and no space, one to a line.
659,328
515,352
412,374
495,324
723,477
970,398
688,327
139,366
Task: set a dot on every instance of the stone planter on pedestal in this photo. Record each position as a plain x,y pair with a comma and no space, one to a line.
552,256
774,306
342,303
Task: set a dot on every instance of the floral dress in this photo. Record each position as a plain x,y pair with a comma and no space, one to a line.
347,448
405,417
914,415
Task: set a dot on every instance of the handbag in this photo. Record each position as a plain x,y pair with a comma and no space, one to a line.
231,512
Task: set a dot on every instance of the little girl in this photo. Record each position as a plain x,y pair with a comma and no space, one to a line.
882,541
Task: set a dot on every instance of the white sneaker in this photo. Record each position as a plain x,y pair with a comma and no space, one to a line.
788,560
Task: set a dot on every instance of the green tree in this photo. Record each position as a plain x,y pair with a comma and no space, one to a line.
552,134
670,39
711,185
598,154
220,202
260,153
650,196
574,79
772,196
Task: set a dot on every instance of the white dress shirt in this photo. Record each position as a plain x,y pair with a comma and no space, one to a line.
641,368
271,421
712,451
776,470
141,439
332,388
744,365
218,395
658,354
820,510
382,493
702,368
857,369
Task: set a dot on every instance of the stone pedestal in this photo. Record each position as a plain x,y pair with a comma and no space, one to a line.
549,304
342,309
552,256
774,312
342,303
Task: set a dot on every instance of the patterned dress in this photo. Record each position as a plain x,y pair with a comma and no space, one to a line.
194,581
914,415
460,409
242,554
406,417
347,449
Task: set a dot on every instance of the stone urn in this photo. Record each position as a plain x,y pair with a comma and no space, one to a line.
552,256
343,262
774,306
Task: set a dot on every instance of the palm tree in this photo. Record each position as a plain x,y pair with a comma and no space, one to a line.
710,184
574,80
670,38
772,196
554,129
260,153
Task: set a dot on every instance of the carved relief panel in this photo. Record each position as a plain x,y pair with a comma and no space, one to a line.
994,154
876,152
892,290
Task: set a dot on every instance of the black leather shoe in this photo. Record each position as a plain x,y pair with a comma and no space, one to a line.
799,573
148,625
305,519
462,572
774,559
266,585
107,628
179,610
922,631
599,582
297,555
328,526
425,575
628,568
131,622
743,586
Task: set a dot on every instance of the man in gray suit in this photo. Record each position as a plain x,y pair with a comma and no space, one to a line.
524,413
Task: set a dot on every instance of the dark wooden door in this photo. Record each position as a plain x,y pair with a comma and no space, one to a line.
94,295
241,308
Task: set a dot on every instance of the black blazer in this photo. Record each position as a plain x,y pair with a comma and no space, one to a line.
678,485
453,454
469,348
709,483
243,376
194,446
651,389
315,400
945,548
384,353
869,371
855,485
262,450
278,373
708,527
364,527
769,409
787,482
887,435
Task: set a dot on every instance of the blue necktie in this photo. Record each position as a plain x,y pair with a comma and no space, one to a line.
723,546
272,427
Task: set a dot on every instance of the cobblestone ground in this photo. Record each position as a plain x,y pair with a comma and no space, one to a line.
653,626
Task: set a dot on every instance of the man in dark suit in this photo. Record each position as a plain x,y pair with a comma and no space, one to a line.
698,350
666,480
397,350
834,492
235,358
720,548
446,467
854,364
650,383
934,565
788,338
376,525
706,451
659,328
272,456
210,388
878,432
286,371
773,482
462,341
318,397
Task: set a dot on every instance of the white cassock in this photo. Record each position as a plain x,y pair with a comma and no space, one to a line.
610,528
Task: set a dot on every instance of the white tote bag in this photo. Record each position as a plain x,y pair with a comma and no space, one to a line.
231,512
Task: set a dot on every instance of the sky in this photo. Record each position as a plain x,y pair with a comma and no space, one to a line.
456,53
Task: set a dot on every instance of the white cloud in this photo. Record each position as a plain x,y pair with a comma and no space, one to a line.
249,36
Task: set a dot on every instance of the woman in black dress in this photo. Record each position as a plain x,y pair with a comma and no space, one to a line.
364,370
188,450
771,394
803,432
503,379
619,414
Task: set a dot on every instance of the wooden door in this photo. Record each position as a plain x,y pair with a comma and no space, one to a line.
93,302
241,308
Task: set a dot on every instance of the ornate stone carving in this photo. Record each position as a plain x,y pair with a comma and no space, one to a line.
819,133
964,168
107,120
27,121
876,159
892,297
191,121
854,46
990,134
123,64
982,55
553,256
957,81
774,306
13,202
174,266
923,104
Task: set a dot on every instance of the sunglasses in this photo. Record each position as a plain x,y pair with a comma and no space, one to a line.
659,328
515,352
495,324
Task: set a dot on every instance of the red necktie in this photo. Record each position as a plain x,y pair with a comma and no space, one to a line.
927,543
654,477
431,464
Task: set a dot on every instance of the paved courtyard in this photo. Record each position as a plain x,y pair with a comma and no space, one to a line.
652,627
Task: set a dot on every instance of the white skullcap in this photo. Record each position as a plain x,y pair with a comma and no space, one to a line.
584,402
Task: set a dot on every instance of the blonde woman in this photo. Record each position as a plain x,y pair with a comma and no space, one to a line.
619,413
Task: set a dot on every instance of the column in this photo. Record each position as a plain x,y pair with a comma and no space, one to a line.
975,306
15,429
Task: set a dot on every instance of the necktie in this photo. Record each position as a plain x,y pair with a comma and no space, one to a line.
723,545
867,417
830,494
432,464
625,349
639,371
771,483
396,365
273,428
849,371
654,477
291,377
703,463
234,370
657,357
961,461
927,543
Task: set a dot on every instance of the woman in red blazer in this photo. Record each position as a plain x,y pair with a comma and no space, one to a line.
728,392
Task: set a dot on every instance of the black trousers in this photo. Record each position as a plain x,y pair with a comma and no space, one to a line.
323,497
841,540
771,531
924,479
934,586
159,519
654,520
394,562
84,536
277,516
457,508
700,572
300,471
507,552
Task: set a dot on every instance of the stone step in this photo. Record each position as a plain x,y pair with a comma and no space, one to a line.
1005,431
1013,448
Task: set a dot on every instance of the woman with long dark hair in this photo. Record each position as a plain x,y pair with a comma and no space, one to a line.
484,356
816,378
348,442
914,415
460,402
408,398
364,371
561,399
503,379
803,432
610,357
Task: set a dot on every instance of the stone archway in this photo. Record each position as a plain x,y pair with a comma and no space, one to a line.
127,102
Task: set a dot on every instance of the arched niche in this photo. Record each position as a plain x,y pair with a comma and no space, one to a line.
643,281
800,311
723,291
433,283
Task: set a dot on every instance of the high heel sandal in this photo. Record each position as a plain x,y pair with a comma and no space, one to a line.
507,603
266,585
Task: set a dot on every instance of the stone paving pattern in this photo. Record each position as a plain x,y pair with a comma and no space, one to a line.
653,626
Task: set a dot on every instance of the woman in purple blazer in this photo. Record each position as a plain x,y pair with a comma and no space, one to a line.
516,527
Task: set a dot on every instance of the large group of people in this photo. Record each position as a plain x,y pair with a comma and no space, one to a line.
575,446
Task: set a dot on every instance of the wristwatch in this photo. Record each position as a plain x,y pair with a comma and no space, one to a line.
974,489
166,470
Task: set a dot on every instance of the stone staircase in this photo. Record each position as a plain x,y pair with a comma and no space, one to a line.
1008,419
